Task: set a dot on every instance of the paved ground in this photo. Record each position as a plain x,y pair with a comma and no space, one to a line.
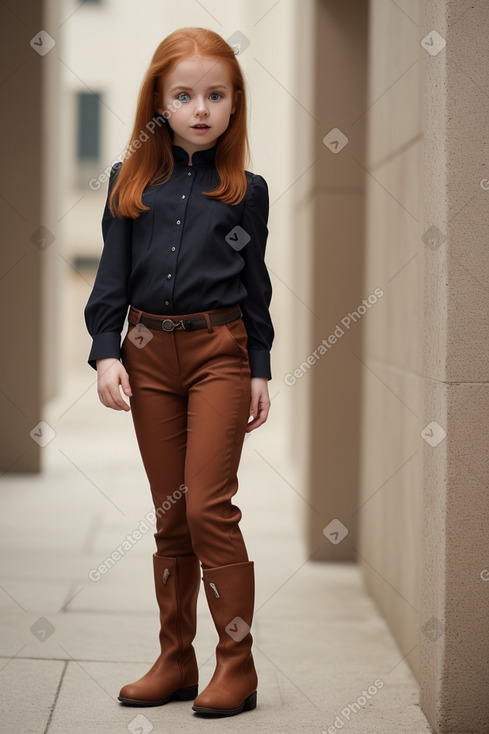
68,643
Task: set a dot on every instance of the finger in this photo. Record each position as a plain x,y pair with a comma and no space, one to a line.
252,425
125,384
254,407
121,402
260,418
115,399
255,424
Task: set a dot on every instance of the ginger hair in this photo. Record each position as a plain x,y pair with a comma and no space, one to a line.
151,161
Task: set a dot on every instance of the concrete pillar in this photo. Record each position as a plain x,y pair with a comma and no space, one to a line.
423,511
27,255
455,600
329,211
389,511
22,252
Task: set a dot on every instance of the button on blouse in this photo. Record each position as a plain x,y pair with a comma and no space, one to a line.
186,254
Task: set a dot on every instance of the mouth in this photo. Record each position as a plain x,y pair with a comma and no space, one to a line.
200,126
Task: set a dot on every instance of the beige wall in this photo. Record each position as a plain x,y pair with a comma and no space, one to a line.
455,667
329,226
424,513
27,333
391,483
419,354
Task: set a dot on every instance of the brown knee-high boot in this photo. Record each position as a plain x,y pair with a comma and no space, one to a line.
230,594
174,676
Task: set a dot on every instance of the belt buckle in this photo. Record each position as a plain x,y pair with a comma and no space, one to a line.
173,325
184,324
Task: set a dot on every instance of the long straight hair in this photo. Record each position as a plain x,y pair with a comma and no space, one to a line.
148,158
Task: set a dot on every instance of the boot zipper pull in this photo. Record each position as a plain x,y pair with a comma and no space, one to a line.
166,574
214,589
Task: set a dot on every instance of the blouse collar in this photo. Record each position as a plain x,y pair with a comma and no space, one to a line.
199,158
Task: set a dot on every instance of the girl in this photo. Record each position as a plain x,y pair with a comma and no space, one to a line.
185,228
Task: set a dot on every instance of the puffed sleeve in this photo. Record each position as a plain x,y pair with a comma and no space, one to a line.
255,278
107,306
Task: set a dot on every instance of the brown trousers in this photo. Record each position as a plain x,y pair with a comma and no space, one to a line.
191,393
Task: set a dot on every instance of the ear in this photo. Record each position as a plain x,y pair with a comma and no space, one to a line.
238,91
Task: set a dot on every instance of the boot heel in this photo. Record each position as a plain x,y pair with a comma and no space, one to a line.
250,702
186,694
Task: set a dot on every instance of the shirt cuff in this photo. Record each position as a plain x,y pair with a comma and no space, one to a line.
105,345
260,363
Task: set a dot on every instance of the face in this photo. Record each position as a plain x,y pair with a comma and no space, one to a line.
197,91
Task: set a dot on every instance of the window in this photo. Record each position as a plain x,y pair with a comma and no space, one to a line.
89,118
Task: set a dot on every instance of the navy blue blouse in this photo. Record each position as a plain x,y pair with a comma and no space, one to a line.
186,254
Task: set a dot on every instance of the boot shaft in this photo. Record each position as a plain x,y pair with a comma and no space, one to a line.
230,593
177,584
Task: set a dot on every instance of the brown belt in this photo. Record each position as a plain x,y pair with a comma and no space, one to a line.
215,317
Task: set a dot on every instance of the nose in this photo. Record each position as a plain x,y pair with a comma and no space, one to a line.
201,107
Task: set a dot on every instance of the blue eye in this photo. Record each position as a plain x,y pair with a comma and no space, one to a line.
185,96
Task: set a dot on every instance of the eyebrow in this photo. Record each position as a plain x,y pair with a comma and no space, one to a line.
214,86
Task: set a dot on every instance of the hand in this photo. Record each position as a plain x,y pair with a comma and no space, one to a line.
111,374
260,402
